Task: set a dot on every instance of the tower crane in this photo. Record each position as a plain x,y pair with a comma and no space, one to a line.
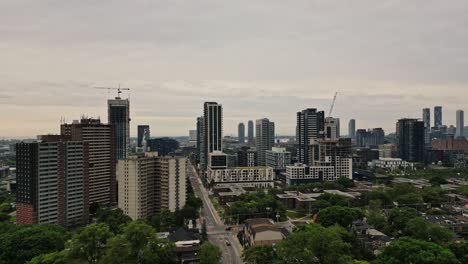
119,89
333,104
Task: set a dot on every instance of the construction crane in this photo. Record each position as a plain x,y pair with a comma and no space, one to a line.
119,89
333,104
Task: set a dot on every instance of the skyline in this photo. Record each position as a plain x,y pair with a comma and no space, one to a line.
387,60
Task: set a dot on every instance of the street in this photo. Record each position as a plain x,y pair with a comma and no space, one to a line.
217,234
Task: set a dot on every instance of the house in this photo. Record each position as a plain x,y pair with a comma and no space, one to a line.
369,238
260,232
187,245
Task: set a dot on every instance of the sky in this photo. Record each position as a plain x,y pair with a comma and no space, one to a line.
387,59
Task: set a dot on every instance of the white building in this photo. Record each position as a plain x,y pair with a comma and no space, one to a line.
260,176
278,158
332,128
391,163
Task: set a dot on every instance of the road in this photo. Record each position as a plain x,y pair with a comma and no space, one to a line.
216,229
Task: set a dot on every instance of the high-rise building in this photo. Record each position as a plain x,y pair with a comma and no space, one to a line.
278,158
250,133
437,116
310,127
52,182
119,118
143,135
247,157
200,142
192,135
264,138
102,182
213,128
151,183
427,118
332,128
460,123
352,129
370,138
410,140
241,133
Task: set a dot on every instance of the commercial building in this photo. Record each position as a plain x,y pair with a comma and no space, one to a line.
332,128
437,116
264,138
100,138
151,183
201,159
460,124
427,125
212,128
247,157
278,158
352,129
241,133
250,133
370,138
259,177
410,140
391,164
450,144
143,135
52,182
310,127
387,151
119,118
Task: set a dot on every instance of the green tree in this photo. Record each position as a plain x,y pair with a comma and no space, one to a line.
163,221
90,243
138,234
159,251
52,258
345,182
209,254
343,216
437,180
434,195
407,250
114,218
460,249
419,228
399,217
463,189
314,244
21,244
259,255
117,251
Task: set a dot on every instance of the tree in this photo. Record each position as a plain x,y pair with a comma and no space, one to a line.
259,255
21,244
209,254
114,218
437,180
408,250
90,243
463,190
159,251
117,251
345,182
419,228
399,217
434,195
314,244
163,221
343,216
52,258
138,234
460,249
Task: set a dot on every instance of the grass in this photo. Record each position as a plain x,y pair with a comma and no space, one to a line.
294,214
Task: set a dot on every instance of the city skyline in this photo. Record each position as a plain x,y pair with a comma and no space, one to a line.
398,58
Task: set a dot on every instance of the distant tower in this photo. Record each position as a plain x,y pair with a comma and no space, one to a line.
213,128
310,126
119,119
410,140
438,116
241,133
332,128
264,138
460,123
250,132
352,129
143,135
427,118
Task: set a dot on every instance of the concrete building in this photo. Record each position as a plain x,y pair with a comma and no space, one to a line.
438,116
247,157
310,127
52,182
370,138
460,124
391,164
259,177
241,133
100,138
192,135
250,133
278,158
427,125
387,151
450,144
332,128
410,140
217,160
264,138
143,135
212,128
201,159
260,232
119,118
151,183
352,129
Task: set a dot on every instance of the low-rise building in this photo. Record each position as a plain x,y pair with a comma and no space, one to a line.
391,164
260,176
261,232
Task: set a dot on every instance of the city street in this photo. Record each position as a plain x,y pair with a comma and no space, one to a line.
216,229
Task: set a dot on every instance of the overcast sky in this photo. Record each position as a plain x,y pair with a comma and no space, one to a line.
259,58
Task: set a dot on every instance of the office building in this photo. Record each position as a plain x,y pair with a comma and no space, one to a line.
102,182
310,127
250,133
200,142
149,184
192,135
410,140
241,133
427,118
460,123
213,128
119,118
217,160
278,158
52,182
332,128
352,129
437,116
142,137
247,157
163,146
370,138
264,138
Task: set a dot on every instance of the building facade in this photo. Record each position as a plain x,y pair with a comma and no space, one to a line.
332,128
201,159
212,128
52,182
247,157
310,127
410,140
460,124
241,133
119,118
438,116
259,177
264,138
143,135
352,129
250,133
278,158
102,181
